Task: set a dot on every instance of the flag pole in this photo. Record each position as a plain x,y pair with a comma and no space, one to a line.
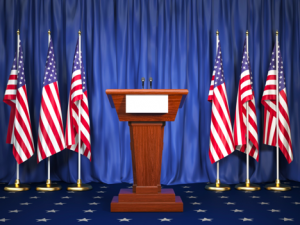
48,186
247,186
17,186
277,186
79,186
217,186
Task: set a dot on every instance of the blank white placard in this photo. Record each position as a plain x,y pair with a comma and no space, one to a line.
147,104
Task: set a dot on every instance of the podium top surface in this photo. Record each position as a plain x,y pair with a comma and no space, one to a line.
175,100
147,91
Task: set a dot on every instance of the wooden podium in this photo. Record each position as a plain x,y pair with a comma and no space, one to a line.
146,111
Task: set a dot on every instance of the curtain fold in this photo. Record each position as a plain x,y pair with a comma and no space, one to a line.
172,41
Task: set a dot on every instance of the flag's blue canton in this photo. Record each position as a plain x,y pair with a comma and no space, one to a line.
50,70
14,66
273,60
21,76
219,72
281,79
76,65
83,77
246,63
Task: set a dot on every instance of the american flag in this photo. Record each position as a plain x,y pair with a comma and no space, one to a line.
19,132
246,94
269,102
78,92
50,133
221,141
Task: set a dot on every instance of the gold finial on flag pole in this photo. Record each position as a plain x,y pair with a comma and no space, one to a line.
247,33
49,32
18,32
217,33
276,32
79,32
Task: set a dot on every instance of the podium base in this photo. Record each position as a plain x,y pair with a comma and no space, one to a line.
79,187
164,201
48,187
217,186
16,187
277,186
247,186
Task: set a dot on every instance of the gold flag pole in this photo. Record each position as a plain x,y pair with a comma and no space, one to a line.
247,186
48,186
217,186
277,186
79,186
17,186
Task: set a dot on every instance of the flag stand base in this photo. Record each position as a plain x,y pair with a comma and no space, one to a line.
79,186
247,186
217,186
17,187
48,187
277,186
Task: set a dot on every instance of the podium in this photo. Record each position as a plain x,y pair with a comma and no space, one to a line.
146,111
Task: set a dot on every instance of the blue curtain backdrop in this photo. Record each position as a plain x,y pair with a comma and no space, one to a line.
173,42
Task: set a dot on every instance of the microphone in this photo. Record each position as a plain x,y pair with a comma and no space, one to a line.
143,81
150,79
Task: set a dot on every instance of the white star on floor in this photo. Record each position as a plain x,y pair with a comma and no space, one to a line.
247,191
35,197
3,220
296,203
200,210
223,196
67,197
218,192
295,186
196,203
89,211
286,182
25,203
287,219
14,211
42,220
192,197
286,197
246,219
103,187
83,220
264,203
254,196
188,191
129,187
71,192
41,192
229,203
51,211
276,191
101,192
11,192
94,203
165,219
205,219
97,197
59,203
237,210
124,220
185,187
3,197
274,210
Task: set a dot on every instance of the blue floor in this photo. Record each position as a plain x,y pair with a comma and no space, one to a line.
200,206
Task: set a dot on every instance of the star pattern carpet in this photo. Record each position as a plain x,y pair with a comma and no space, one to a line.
93,207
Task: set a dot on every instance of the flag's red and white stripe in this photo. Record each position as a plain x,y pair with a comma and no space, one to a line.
50,133
221,141
269,102
78,93
245,94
